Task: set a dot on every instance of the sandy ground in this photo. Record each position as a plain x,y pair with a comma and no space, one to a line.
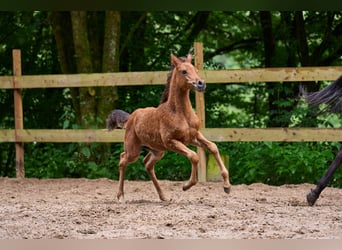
86,209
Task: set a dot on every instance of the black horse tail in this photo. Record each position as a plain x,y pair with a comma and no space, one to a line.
117,119
330,95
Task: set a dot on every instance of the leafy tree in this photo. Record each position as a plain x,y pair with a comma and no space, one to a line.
289,41
109,41
93,47
30,32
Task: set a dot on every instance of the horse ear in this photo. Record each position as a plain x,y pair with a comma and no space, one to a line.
189,58
174,60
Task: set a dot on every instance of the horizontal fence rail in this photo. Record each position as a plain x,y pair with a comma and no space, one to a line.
19,135
159,77
213,134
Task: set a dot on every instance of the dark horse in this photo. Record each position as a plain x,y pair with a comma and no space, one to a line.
169,127
332,97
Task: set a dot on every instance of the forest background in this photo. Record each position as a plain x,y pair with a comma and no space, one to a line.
113,41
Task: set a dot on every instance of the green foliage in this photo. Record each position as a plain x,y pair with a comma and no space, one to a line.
236,105
249,162
231,40
280,163
48,160
173,167
7,154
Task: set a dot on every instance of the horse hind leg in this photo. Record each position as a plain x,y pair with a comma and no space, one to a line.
149,161
122,167
125,159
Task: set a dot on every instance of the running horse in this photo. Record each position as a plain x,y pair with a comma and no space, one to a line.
169,127
332,97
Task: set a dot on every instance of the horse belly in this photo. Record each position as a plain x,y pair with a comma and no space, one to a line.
146,127
151,139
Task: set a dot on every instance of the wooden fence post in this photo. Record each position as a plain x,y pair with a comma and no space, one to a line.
200,110
18,116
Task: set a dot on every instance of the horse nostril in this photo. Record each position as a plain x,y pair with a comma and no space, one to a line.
200,85
200,82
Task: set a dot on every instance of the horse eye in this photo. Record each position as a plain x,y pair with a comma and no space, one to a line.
184,72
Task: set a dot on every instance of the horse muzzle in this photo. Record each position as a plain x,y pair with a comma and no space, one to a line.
199,85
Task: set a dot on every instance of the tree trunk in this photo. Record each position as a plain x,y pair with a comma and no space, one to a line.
83,53
110,62
133,26
84,65
88,42
61,26
269,41
303,47
269,61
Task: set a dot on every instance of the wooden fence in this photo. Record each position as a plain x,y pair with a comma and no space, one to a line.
19,135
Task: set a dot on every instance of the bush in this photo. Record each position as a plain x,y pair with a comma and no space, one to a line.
267,162
55,160
281,163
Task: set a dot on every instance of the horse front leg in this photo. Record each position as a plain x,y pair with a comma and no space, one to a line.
203,142
180,148
313,195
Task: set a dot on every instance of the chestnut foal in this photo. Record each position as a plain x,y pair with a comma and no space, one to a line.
169,127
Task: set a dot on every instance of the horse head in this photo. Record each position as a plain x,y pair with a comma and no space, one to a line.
187,73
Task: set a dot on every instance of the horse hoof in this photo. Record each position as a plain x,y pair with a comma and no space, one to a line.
166,202
226,189
121,201
120,198
163,198
311,198
188,185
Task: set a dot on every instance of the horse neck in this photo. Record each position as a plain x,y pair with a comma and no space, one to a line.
179,99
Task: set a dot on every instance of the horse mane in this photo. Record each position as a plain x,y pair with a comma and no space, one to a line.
165,94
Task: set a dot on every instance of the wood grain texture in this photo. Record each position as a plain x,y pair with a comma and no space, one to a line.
159,77
213,134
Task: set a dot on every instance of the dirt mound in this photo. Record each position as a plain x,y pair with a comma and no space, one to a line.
82,208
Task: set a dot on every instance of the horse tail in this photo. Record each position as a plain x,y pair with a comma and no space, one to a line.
117,119
330,95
